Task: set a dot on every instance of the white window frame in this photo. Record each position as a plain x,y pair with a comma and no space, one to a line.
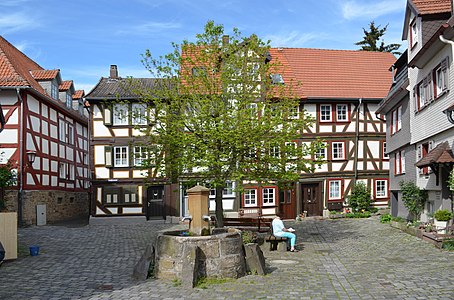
385,154
402,161
324,115
268,196
140,155
334,189
123,152
399,119
139,114
397,165
343,112
62,170
54,91
381,188
414,33
421,95
229,189
275,151
321,153
338,149
70,134
250,197
120,114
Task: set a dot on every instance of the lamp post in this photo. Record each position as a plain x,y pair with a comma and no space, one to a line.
31,156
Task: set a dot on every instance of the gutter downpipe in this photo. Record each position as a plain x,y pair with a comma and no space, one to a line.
355,164
21,160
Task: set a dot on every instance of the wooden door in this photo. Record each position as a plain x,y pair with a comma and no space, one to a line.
155,202
287,204
312,200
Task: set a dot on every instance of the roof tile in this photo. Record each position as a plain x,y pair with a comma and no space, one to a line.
427,7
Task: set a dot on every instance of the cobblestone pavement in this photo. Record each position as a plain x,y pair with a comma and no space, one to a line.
338,259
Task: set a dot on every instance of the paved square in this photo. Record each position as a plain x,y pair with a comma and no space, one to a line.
339,259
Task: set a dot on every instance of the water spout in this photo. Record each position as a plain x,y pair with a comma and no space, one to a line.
186,218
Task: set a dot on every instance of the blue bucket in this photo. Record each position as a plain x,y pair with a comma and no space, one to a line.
34,250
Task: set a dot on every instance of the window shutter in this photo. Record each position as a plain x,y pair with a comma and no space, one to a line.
419,152
430,94
107,116
108,156
416,100
431,145
444,64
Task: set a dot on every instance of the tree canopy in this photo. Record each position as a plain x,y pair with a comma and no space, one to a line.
220,114
372,40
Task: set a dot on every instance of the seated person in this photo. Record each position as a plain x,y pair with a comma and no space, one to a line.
279,230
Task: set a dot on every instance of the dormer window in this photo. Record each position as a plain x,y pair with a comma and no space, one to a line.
54,91
414,32
277,79
69,100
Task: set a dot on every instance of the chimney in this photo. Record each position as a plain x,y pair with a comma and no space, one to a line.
113,71
225,40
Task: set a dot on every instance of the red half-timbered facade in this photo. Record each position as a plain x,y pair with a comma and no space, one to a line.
40,120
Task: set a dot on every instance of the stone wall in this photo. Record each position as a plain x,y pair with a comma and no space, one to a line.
60,205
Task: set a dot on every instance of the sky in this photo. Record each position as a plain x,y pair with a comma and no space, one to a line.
83,38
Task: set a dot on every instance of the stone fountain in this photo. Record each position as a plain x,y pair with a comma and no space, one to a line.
188,256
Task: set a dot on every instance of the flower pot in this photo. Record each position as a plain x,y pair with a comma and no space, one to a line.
441,226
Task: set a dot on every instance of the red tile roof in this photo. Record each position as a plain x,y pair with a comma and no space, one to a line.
78,94
15,67
427,7
336,73
65,85
44,74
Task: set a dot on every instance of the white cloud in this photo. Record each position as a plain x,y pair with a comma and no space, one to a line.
292,39
15,22
354,9
149,27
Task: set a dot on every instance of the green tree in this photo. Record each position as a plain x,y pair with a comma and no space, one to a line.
372,40
414,198
219,116
7,178
359,198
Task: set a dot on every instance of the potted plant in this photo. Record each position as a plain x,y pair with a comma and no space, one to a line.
442,218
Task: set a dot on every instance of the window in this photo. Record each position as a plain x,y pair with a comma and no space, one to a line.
121,156
381,188
277,79
341,112
275,151
421,96
335,189
338,150
62,171
325,113
441,78
69,100
396,120
140,155
294,112
229,188
385,153
54,91
413,33
250,197
120,114
62,130
399,162
423,150
199,71
120,195
268,195
139,114
70,134
321,153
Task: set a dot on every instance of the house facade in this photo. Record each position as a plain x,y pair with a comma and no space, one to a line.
341,91
428,28
44,138
119,148
402,154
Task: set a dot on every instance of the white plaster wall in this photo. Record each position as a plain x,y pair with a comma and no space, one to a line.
101,173
99,130
9,136
33,104
100,158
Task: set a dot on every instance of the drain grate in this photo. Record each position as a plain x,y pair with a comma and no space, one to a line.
105,287
324,251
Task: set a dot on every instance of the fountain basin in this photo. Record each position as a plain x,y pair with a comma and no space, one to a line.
219,255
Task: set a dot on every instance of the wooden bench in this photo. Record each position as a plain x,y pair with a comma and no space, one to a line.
276,243
260,224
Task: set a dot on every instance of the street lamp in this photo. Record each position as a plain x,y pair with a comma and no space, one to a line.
31,155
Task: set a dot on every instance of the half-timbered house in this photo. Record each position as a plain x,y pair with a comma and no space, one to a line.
121,186
44,138
341,90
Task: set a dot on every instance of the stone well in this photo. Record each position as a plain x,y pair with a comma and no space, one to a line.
219,255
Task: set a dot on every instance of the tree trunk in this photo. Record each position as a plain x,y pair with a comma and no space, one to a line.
219,207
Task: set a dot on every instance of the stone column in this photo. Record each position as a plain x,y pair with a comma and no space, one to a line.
198,207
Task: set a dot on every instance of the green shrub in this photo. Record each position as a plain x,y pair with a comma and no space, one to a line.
448,244
386,218
443,215
398,219
7,178
248,237
413,197
359,198
372,209
355,215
